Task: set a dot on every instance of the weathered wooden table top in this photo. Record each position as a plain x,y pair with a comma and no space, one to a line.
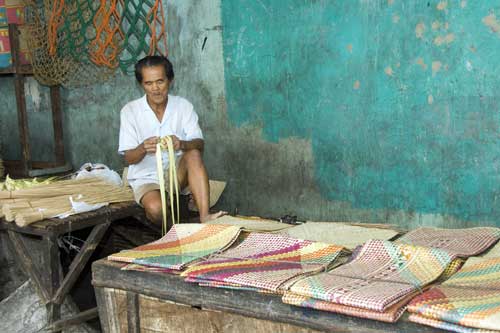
57,226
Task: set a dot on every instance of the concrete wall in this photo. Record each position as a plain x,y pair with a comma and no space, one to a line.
39,120
395,104
381,110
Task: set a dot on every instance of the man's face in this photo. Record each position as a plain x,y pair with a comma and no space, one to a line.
155,84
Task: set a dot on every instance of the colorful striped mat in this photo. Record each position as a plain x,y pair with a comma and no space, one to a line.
459,242
264,262
184,243
470,299
416,318
379,279
390,315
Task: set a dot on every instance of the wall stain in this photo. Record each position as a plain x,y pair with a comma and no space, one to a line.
444,40
420,30
436,67
421,63
442,5
492,22
388,70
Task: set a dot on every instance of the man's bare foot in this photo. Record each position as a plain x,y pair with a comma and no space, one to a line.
213,216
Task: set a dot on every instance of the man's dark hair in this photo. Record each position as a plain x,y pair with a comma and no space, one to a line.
150,61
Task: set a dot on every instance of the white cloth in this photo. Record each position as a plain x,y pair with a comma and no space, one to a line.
138,122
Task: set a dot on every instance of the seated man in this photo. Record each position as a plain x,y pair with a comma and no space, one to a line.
147,119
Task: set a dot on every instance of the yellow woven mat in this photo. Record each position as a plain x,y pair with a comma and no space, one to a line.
348,236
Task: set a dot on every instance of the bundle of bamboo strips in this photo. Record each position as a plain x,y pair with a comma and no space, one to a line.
63,187
26,206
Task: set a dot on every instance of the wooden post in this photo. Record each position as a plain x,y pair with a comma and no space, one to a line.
20,100
133,320
55,102
53,278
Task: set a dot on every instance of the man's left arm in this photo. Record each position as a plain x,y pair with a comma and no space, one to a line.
198,144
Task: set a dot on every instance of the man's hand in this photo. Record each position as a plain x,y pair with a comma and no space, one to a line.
149,145
176,142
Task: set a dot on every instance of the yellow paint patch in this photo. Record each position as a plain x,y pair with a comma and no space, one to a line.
463,3
430,99
446,39
395,19
349,48
398,65
436,67
421,62
356,85
388,70
419,30
435,25
492,22
442,5
390,2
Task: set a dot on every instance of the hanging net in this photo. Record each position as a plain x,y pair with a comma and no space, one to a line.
82,42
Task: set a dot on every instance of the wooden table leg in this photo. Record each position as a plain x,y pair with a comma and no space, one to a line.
53,278
28,265
80,261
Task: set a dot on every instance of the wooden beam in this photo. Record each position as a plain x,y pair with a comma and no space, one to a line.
28,230
80,261
133,319
22,123
53,277
20,100
75,320
28,265
34,164
14,46
57,119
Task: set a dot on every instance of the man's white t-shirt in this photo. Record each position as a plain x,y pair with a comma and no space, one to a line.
138,122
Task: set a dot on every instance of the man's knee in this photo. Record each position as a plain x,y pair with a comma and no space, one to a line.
152,206
193,155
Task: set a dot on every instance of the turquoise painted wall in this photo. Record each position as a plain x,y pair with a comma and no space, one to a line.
399,99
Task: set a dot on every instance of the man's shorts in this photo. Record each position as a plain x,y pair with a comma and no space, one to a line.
141,190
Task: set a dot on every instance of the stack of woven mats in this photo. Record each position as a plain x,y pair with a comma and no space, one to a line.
468,302
264,262
384,276
183,244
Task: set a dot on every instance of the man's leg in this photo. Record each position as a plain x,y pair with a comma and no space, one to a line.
191,171
152,205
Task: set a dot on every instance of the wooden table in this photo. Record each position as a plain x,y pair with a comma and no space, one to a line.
36,249
123,297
